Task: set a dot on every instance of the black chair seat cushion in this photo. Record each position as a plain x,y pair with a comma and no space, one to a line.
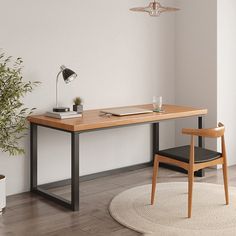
183,153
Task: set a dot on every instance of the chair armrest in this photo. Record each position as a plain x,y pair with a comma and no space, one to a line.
210,133
189,131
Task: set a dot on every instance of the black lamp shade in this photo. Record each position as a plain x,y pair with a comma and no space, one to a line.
68,75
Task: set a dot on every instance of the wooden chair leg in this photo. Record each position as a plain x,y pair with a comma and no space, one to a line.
225,175
154,178
190,192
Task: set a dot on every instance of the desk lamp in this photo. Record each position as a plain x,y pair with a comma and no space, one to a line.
68,76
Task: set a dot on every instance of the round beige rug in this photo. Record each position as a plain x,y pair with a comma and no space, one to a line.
168,217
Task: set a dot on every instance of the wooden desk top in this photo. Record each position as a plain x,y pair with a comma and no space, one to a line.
91,119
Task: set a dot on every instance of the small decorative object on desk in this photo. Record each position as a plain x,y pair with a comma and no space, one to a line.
157,104
78,106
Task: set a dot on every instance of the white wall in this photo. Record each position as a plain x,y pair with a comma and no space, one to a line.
121,57
196,63
226,66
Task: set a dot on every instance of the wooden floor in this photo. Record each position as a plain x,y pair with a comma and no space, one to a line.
31,215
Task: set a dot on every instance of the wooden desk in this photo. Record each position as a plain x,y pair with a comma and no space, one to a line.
92,121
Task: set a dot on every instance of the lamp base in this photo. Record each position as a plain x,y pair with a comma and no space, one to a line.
61,109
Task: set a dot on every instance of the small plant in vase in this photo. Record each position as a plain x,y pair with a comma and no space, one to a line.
78,106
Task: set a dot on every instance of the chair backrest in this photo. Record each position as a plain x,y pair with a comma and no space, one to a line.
209,133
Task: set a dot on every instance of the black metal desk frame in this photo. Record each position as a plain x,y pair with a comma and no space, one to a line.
75,178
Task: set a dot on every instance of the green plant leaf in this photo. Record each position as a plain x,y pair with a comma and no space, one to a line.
13,114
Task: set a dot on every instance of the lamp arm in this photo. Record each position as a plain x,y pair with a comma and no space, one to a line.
57,87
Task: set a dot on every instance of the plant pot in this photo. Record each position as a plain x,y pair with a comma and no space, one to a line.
2,193
78,108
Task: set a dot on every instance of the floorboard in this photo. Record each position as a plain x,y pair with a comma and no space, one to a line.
31,215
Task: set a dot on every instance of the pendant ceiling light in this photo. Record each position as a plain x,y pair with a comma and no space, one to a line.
154,9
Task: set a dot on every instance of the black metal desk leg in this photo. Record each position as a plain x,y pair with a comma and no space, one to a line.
155,139
33,156
201,143
75,171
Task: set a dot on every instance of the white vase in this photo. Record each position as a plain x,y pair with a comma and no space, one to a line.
2,193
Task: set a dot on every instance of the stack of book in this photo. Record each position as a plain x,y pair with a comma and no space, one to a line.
63,115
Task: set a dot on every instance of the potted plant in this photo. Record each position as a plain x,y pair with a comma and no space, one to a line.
2,193
78,107
13,113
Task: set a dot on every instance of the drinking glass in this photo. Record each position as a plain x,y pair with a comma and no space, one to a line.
157,103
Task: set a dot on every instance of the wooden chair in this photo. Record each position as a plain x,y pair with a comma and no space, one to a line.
193,158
